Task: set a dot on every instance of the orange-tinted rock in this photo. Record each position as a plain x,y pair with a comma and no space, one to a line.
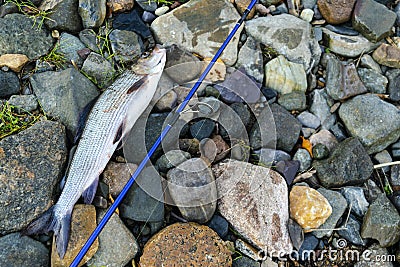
83,222
387,55
337,11
14,61
241,6
309,208
121,5
186,244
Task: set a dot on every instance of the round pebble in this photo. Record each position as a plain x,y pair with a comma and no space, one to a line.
161,11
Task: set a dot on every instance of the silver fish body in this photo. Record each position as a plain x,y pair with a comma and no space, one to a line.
110,119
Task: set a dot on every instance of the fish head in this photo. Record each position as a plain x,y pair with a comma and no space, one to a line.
151,63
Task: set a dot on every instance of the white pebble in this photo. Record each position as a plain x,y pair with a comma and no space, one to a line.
161,10
307,14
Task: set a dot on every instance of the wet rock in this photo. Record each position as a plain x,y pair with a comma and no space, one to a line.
308,119
351,232
338,204
219,225
293,101
171,159
324,137
356,199
394,84
345,45
25,103
320,151
289,36
17,37
9,84
348,164
69,45
185,243
125,45
125,5
146,5
373,20
63,94
202,129
284,76
131,21
31,169
336,12
308,207
63,15
373,81
373,121
117,245
83,222
192,188
342,80
14,62
144,200
387,55
92,13
198,23
256,207
320,107
17,250
250,58
116,175
304,158
368,62
381,222
99,69
375,252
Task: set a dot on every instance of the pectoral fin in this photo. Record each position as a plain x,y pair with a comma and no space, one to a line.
90,192
137,85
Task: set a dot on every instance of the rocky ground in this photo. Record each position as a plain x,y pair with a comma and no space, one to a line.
288,155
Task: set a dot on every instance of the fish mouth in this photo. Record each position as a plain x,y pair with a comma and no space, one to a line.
152,63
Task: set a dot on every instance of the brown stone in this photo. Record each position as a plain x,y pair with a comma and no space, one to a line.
186,244
217,72
254,199
83,222
309,208
214,149
116,175
241,6
387,55
121,5
337,11
13,61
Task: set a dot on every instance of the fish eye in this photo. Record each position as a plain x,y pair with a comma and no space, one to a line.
145,54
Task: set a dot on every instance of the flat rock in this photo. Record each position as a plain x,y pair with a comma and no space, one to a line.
24,103
381,222
289,36
373,20
125,45
69,45
181,244
17,250
373,81
368,62
338,204
387,55
116,175
63,94
256,207
18,37
9,84
320,106
284,76
92,13
293,101
356,199
99,68
31,169
345,45
394,84
308,119
373,121
250,58
336,12
309,208
117,245
348,164
202,26
192,187
63,15
13,61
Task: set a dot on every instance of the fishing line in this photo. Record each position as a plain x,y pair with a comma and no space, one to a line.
171,120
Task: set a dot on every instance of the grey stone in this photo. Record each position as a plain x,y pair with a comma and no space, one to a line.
395,175
396,149
146,5
269,156
304,158
245,262
202,25
355,199
18,36
8,8
25,103
351,232
63,15
339,131
63,95
374,257
289,36
342,29
345,45
307,132
193,190
256,207
125,45
148,17
92,12
320,107
339,205
348,164
324,137
309,244
309,3
373,20
89,38
251,59
320,151
9,84
99,69
202,129
161,10
374,81
219,224
293,101
373,121
31,169
383,157
171,159
381,222
144,201
394,84
308,119
69,45
17,250
117,245
368,62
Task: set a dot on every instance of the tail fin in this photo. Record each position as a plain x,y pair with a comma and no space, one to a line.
49,222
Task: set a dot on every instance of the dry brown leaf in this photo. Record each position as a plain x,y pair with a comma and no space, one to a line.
306,144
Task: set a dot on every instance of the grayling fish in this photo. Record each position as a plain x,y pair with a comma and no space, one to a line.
110,119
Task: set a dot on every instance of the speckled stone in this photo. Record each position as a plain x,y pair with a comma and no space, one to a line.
13,61
336,12
186,244
116,175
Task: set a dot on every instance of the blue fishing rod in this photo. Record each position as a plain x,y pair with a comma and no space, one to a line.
170,122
